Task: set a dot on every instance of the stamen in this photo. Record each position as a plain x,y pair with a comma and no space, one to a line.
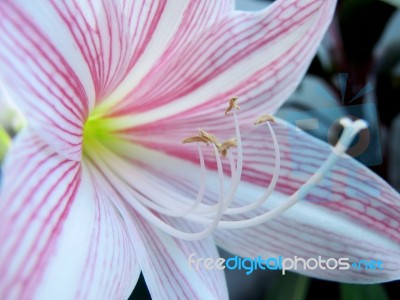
187,208
232,105
103,163
264,119
224,147
202,137
209,137
271,187
350,130
236,174
157,201
195,139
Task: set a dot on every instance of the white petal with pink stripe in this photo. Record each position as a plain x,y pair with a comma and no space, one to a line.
100,187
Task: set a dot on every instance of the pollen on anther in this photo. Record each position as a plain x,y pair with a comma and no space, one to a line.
209,137
224,147
232,105
195,139
264,119
202,137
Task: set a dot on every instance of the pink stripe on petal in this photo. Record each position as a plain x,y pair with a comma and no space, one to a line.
163,259
351,213
256,56
165,264
42,81
111,36
291,236
60,233
179,21
58,58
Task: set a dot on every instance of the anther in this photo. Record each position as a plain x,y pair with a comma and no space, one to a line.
224,147
209,137
195,139
264,119
232,105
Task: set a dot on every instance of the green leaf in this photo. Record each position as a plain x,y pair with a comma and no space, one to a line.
362,292
290,287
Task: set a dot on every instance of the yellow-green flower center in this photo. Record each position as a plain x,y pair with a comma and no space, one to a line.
5,143
98,132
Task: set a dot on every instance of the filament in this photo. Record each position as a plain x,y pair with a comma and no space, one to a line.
271,187
350,131
156,209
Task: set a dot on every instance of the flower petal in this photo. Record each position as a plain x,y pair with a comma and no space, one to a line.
256,56
61,237
165,265
42,79
60,58
162,258
351,213
180,21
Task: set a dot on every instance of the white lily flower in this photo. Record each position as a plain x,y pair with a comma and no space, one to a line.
99,187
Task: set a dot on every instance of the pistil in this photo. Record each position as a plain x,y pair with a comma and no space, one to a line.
212,215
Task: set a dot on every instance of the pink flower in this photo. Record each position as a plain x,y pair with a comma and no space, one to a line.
99,186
